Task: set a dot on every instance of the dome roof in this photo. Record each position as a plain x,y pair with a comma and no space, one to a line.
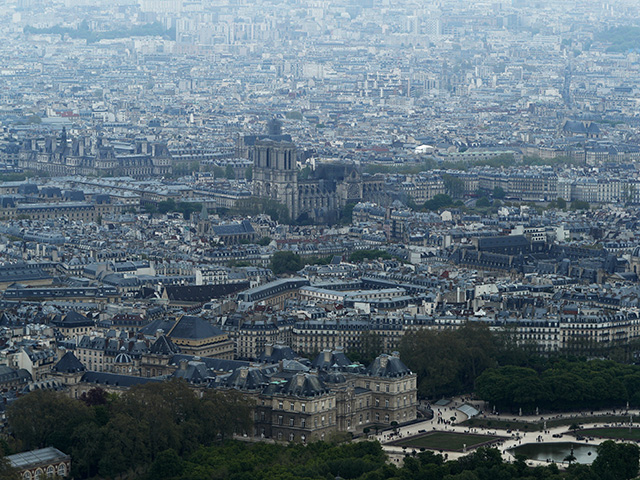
123,357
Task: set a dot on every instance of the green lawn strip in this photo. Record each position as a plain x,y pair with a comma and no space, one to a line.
538,426
446,441
502,424
616,433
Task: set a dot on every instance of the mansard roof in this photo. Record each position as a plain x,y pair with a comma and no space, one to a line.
69,363
388,366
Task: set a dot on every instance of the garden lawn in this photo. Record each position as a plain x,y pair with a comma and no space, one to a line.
616,433
446,441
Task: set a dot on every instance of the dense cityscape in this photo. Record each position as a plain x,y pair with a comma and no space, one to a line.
319,239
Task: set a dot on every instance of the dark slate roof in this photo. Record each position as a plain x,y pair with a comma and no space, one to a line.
39,355
69,363
246,378
503,241
328,359
159,324
72,320
196,372
97,343
193,328
388,366
333,377
46,384
577,127
294,366
203,293
114,379
305,385
164,346
215,364
8,375
10,320
21,272
243,227
278,352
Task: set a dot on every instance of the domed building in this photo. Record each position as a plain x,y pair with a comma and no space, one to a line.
634,261
123,363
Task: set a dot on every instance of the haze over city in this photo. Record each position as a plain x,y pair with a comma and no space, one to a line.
355,239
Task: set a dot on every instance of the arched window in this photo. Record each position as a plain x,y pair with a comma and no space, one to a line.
62,470
51,471
27,475
39,473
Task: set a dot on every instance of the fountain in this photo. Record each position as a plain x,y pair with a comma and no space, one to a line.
557,452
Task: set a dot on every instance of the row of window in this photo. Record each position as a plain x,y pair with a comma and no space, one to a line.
50,472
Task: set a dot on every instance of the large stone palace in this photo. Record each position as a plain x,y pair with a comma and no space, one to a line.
90,155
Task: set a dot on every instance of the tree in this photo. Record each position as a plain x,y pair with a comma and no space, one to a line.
616,461
360,255
150,208
248,173
95,396
574,427
127,444
346,214
435,357
628,193
562,203
256,206
8,471
580,205
168,464
285,262
559,203
224,413
188,208
87,449
439,201
498,192
57,417
371,346
167,206
264,241
483,202
454,186
229,172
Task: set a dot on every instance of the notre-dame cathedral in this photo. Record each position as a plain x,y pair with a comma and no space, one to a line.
320,196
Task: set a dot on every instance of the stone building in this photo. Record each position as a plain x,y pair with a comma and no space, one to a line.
327,190
300,404
195,336
46,462
94,156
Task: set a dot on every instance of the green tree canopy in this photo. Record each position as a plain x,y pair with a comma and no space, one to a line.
616,461
57,417
498,192
360,255
285,262
580,205
448,362
439,201
483,202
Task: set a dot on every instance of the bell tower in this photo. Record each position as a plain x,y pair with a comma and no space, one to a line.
275,173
